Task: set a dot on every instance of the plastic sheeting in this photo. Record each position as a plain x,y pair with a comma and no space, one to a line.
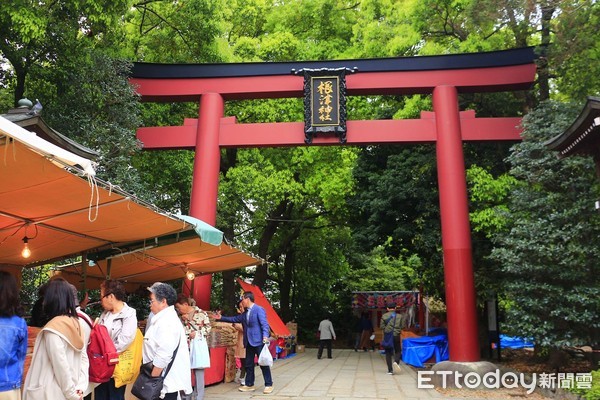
513,342
416,351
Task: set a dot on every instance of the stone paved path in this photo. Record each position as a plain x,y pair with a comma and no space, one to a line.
349,375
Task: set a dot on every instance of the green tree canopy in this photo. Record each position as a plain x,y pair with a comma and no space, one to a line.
335,213
547,249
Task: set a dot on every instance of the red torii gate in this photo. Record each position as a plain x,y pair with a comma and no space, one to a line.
442,76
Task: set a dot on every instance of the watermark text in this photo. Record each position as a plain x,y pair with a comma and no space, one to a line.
509,380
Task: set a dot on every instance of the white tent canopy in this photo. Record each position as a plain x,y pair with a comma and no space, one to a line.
42,147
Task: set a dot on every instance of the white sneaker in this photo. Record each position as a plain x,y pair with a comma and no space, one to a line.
396,367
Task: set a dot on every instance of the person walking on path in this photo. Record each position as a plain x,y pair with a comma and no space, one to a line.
326,334
256,335
366,327
357,332
392,321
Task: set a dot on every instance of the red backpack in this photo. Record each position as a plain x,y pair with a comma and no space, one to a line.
102,354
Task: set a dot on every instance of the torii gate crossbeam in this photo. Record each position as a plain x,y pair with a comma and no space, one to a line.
444,77
389,131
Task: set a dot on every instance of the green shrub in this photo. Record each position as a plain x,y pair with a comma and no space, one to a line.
594,392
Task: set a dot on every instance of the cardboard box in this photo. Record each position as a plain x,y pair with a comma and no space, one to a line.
299,348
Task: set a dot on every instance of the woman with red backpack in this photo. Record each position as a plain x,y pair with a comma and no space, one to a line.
121,322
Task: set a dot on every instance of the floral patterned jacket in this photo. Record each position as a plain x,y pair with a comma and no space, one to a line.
199,322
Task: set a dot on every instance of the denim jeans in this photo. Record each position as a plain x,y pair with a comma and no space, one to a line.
252,351
108,391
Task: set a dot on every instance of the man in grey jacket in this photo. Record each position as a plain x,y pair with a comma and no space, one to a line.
326,334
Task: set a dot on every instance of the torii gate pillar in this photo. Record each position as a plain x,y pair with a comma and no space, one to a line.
456,233
205,182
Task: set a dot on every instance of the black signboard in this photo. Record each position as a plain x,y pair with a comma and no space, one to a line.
324,102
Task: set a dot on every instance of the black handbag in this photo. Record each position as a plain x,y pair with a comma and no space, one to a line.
148,387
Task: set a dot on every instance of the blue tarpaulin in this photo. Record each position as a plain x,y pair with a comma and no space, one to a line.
513,342
415,351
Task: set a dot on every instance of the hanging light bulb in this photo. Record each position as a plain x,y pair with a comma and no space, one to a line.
190,275
26,252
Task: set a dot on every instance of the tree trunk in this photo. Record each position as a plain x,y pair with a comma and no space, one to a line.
286,285
230,296
542,62
21,74
261,275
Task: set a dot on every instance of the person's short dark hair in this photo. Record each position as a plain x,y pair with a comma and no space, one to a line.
9,296
185,299
248,295
42,289
163,291
114,287
58,299
391,305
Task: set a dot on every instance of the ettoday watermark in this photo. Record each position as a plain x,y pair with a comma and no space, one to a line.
509,380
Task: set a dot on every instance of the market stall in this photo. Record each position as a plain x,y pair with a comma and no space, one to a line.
53,206
373,303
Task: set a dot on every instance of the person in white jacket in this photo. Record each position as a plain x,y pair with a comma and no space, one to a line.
59,365
121,322
326,334
164,333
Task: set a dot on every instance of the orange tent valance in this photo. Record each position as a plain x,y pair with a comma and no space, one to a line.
275,322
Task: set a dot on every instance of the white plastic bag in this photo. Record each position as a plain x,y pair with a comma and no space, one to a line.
265,359
199,355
